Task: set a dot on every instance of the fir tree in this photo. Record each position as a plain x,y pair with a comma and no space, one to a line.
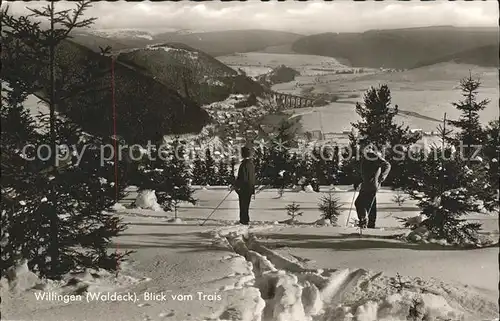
491,151
54,210
293,210
224,176
199,171
151,171
471,134
330,208
378,128
349,171
262,168
28,43
472,144
277,158
176,177
79,194
325,164
306,169
209,168
447,190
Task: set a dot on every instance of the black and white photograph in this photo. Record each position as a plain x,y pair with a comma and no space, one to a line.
250,160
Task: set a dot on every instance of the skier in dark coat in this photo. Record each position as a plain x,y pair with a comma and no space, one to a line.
244,184
374,170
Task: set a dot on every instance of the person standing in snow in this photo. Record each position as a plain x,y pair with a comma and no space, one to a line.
374,170
244,184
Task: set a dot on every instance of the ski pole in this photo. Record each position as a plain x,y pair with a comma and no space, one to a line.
215,209
350,209
260,189
373,200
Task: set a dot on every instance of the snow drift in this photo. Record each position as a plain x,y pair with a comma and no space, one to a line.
146,199
291,292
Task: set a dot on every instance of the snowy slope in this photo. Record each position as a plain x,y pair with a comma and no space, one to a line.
279,272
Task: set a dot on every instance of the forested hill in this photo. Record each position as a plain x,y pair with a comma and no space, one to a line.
400,48
484,56
145,106
192,73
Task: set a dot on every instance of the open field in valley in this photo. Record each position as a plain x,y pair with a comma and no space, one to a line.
423,95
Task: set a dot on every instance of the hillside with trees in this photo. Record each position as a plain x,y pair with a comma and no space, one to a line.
194,74
139,98
485,56
399,48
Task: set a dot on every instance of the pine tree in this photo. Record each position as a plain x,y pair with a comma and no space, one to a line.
294,169
306,169
349,171
491,151
224,176
378,128
278,156
79,194
55,212
293,210
472,144
27,42
318,164
176,177
151,171
209,168
262,168
447,190
330,208
199,171
325,163
471,134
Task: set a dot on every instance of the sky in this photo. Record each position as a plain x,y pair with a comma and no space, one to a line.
300,17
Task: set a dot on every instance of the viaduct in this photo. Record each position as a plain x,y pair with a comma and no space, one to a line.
289,101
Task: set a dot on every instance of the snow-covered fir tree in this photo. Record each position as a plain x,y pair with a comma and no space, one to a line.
70,201
53,207
209,168
277,157
349,171
325,164
259,157
306,171
471,141
178,174
447,189
168,174
224,176
198,172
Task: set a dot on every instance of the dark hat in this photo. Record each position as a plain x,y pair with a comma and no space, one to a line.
246,151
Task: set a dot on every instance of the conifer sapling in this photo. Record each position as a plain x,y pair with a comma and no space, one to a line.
329,207
293,210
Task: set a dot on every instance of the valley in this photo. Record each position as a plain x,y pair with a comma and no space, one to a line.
422,73
423,94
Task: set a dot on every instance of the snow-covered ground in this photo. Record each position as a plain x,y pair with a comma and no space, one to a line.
271,271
